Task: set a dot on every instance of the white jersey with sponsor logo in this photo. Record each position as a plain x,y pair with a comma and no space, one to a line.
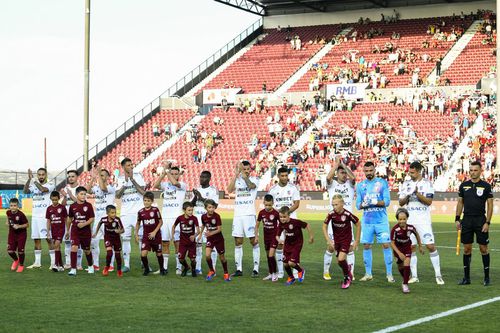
346,190
209,192
103,199
244,202
419,213
285,196
41,200
69,190
131,199
173,198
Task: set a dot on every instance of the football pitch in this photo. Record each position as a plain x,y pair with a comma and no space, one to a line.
43,301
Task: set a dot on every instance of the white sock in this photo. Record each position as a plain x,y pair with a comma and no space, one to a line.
435,262
238,257
165,260
96,251
214,256
126,252
256,257
327,261
279,260
413,265
112,260
52,254
351,258
199,254
67,252
177,262
79,257
38,257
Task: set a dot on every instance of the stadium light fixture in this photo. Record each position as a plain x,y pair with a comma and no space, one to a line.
246,5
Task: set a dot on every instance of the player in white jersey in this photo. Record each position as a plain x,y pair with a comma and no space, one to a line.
69,197
285,195
104,195
174,194
40,190
245,188
130,190
203,192
417,194
343,185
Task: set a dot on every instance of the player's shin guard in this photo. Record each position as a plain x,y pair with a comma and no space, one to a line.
38,257
118,261
214,259
90,260
199,255
279,261
160,261
467,259
238,257
21,259
210,264
126,252
413,264
344,266
96,251
109,255
486,265
271,263
145,263
367,260
52,255
13,255
67,252
177,262
388,261
256,257
224,266
327,261
79,257
435,263
165,260
406,274
73,256
351,259
59,262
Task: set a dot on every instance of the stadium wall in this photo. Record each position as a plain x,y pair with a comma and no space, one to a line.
308,19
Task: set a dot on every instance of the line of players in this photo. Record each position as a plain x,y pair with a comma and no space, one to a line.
371,196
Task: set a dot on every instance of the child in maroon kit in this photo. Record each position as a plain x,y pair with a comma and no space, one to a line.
401,245
270,221
189,230
56,215
79,222
113,227
17,223
293,243
212,225
151,220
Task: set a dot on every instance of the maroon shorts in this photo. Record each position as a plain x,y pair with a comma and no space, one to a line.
342,247
81,237
218,244
114,242
151,244
57,232
270,243
405,251
16,241
292,253
187,250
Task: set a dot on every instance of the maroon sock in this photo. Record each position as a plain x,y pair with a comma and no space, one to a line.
145,263
13,255
90,260
274,265
270,265
109,255
21,259
159,257
73,259
288,270
406,275
58,258
193,265
118,259
224,266
298,268
210,264
401,271
184,263
345,267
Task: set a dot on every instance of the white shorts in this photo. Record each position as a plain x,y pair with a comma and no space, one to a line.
244,226
38,228
330,232
425,233
166,230
129,222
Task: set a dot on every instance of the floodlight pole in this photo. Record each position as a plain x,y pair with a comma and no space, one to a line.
496,100
86,88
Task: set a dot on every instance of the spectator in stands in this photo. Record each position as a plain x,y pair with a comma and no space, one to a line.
173,128
438,66
225,106
166,130
264,87
145,150
156,130
195,153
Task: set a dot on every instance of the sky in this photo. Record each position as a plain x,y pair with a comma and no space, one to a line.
138,49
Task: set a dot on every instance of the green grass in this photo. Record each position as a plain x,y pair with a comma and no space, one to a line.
44,301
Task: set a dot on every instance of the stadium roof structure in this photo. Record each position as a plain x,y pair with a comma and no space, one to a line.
285,7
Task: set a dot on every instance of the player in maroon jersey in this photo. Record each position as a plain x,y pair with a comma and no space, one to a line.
189,230
269,217
16,241
401,245
212,225
293,243
341,220
56,216
113,227
151,220
79,222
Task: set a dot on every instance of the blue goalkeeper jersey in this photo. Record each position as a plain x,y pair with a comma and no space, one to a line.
369,191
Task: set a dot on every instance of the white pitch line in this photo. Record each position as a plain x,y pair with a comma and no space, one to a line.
454,248
454,232
437,316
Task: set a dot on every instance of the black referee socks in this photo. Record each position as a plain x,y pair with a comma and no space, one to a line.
486,265
467,259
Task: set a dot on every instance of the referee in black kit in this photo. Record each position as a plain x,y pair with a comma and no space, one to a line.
474,196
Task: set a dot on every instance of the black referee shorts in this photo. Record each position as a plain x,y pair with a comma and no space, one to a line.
472,225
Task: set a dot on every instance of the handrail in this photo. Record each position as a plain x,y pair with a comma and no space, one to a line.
177,89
